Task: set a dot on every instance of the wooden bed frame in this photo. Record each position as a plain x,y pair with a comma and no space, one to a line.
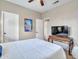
64,39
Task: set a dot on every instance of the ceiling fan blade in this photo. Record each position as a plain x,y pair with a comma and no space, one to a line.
30,1
42,2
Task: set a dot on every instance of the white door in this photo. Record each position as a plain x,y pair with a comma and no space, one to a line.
10,27
46,29
39,29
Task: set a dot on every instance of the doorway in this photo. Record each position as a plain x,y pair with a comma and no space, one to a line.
9,26
39,29
46,28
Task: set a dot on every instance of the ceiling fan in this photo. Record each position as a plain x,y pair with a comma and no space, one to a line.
41,2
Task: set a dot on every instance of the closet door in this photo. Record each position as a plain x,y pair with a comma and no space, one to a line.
46,29
10,27
39,29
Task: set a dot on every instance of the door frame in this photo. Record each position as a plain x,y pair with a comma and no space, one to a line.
2,26
46,34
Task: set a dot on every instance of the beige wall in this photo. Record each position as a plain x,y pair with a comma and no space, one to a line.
64,15
24,13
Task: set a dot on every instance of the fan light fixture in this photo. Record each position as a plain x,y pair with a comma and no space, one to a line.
41,2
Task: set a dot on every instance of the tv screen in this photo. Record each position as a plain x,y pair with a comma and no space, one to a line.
60,30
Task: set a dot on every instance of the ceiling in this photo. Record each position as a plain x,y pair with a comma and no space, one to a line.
35,5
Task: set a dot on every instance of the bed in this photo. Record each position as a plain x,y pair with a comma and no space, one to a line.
32,49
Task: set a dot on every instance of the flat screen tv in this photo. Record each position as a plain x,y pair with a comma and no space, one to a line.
60,30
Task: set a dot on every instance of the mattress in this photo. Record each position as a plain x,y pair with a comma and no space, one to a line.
32,49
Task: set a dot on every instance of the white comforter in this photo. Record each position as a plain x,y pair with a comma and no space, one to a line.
32,49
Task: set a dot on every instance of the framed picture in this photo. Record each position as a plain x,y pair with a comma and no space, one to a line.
27,25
